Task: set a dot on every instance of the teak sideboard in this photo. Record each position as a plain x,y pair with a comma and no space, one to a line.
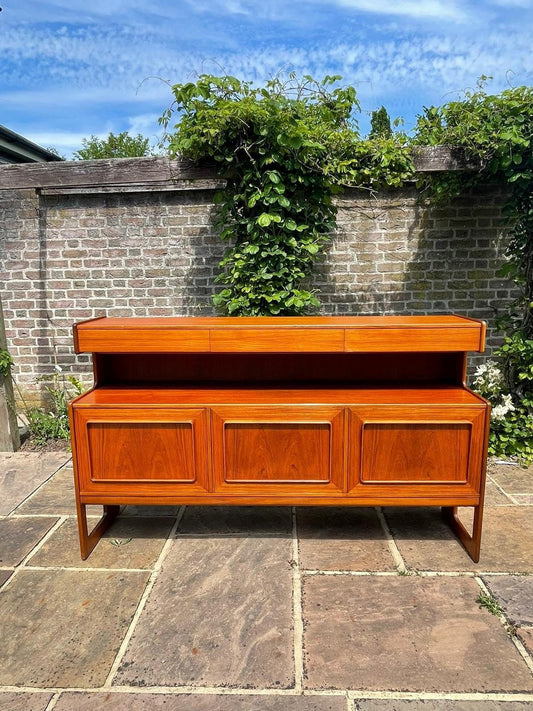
325,411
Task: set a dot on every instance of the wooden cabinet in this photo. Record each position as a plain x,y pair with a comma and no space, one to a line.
356,411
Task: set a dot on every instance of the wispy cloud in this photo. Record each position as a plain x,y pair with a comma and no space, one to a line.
442,9
82,69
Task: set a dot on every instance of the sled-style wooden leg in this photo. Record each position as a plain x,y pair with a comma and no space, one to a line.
471,542
89,540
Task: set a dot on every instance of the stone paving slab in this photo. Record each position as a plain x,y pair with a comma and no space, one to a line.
512,479
22,472
63,628
342,539
243,520
19,535
515,595
439,705
406,634
38,701
494,497
56,497
220,614
525,634
427,543
197,702
140,542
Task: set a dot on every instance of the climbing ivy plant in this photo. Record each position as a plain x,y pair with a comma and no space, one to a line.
287,148
284,150
498,130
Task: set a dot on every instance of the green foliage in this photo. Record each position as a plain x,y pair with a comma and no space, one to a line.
6,361
120,146
489,603
284,150
380,124
53,423
53,150
498,129
511,432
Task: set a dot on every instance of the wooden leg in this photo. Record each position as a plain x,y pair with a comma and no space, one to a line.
89,540
471,543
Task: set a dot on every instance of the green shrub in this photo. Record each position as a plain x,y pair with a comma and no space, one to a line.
53,423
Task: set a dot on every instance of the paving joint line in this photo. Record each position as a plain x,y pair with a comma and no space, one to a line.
353,694
393,548
509,628
36,515
40,568
297,611
144,598
244,534
53,701
357,695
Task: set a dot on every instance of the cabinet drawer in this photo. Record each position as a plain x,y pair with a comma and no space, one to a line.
278,340
402,450
404,339
275,450
142,449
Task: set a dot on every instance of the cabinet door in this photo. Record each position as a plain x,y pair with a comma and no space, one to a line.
416,451
278,449
142,450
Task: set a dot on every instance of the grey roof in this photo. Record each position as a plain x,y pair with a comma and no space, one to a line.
14,148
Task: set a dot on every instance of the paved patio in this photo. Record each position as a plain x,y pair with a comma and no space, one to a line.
266,609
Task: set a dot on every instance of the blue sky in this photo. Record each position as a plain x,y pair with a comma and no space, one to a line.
72,68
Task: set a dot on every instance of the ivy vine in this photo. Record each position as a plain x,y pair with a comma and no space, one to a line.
498,130
284,150
6,362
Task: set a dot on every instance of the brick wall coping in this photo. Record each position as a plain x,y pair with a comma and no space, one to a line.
160,173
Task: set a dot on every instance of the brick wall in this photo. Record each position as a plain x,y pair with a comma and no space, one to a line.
68,257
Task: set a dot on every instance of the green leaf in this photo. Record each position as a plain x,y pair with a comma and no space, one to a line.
264,219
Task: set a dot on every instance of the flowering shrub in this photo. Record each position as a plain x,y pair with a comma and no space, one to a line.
511,432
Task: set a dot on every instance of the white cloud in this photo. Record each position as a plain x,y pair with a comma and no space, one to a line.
442,9
65,142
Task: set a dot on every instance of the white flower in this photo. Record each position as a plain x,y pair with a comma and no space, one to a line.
488,378
498,413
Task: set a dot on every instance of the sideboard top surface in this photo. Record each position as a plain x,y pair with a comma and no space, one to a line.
432,333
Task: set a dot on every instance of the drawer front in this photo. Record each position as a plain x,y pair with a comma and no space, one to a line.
403,339
138,450
278,449
278,340
137,340
402,451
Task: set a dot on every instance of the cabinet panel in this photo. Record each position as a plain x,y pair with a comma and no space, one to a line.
278,449
141,450
415,452
401,450
141,447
